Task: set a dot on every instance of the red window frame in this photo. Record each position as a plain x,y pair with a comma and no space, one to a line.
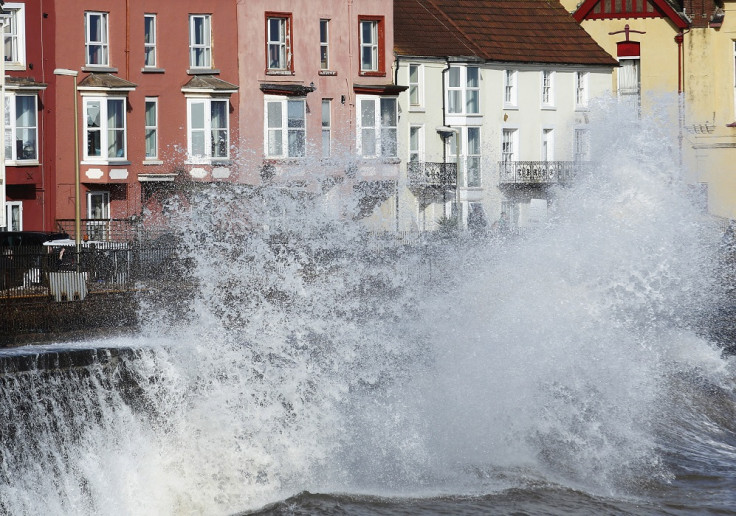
289,42
381,72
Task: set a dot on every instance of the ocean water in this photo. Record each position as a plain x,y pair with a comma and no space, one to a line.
318,369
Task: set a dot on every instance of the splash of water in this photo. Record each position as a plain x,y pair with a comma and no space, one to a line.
314,356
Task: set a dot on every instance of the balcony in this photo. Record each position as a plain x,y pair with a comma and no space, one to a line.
425,174
538,172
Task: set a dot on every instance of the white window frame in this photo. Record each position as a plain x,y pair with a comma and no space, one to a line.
205,46
151,128
97,227
548,144
581,90
9,206
371,46
416,152
103,128
324,44
462,135
509,144
286,127
416,86
326,128
548,89
15,31
510,88
149,40
462,91
12,129
581,144
381,131
629,93
207,129
280,42
103,42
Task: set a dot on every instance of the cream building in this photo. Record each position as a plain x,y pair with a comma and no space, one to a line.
491,118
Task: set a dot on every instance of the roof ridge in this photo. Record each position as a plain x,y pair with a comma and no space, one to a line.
466,40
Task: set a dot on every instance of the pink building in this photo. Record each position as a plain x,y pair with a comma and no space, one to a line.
320,96
157,101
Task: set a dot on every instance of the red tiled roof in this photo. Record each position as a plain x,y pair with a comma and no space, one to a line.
524,31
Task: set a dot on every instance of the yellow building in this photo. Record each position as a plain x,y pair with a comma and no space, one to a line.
678,56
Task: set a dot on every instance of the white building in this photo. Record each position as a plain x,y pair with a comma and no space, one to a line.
490,91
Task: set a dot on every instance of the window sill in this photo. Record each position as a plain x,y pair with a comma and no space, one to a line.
99,69
279,72
18,163
203,71
417,109
109,162
372,74
581,109
511,108
150,162
151,69
328,73
549,108
208,161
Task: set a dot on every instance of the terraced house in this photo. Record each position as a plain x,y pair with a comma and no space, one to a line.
495,112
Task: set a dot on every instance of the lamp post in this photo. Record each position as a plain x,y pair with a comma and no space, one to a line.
3,179
77,188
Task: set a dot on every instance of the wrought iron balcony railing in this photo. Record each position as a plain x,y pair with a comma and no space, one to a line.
425,174
539,172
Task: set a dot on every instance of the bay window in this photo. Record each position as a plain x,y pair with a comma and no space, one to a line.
463,90
208,129
285,127
377,126
104,128
21,127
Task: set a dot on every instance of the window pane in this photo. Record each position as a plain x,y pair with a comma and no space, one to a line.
366,62
150,113
219,143
197,115
388,142
296,143
368,113
93,114
115,143
295,112
198,143
25,111
150,143
472,77
473,140
115,114
388,112
454,77
368,141
148,29
325,113
274,114
275,143
367,32
219,114
473,171
473,105
454,101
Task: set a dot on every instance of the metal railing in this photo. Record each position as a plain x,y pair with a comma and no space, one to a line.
426,174
538,172
110,230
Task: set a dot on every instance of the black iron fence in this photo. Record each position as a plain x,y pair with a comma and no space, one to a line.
110,230
538,172
65,274
428,174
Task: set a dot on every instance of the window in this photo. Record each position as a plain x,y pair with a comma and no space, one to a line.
324,45
581,89
21,127
200,41
509,88
463,90
416,95
371,45
548,98
548,145
278,46
286,130
377,120
151,116
208,129
470,154
96,39
98,211
509,145
326,127
581,145
15,41
149,40
628,78
14,216
416,139
104,126
472,158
